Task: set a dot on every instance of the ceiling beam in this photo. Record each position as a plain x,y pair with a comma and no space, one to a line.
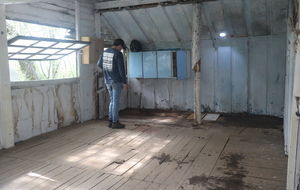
7,2
133,4
208,22
247,16
227,19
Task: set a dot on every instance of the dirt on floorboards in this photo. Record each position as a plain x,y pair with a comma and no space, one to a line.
185,118
157,150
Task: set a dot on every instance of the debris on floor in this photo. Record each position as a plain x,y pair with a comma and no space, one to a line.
211,117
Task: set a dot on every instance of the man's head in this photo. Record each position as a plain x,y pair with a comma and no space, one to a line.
119,44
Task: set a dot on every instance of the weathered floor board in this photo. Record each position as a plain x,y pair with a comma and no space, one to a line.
156,151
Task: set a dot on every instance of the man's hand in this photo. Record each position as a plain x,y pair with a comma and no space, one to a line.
125,86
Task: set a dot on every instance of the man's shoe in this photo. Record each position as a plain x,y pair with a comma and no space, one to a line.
109,123
117,125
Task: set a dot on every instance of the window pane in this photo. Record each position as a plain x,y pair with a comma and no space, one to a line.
50,51
44,44
31,50
14,49
24,70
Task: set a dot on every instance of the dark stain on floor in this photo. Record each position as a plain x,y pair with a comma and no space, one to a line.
156,112
232,178
163,158
251,121
233,175
233,160
195,180
181,118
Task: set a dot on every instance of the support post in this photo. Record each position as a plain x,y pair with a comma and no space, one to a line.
78,58
196,60
100,82
294,128
6,121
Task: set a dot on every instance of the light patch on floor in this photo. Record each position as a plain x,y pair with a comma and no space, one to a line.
211,117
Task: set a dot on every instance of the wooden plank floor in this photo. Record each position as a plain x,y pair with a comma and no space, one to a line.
156,151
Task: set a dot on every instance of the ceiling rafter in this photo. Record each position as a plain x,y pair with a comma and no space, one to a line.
139,24
269,14
247,16
7,2
208,21
161,37
136,4
103,19
227,19
118,17
179,38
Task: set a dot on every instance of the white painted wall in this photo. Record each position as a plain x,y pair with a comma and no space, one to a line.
6,124
237,75
290,68
40,109
42,106
291,121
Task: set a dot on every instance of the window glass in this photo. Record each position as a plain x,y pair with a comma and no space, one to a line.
25,70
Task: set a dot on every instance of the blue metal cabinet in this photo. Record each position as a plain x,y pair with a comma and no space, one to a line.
160,64
181,63
135,64
149,64
164,64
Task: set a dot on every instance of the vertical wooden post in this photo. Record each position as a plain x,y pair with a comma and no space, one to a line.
294,128
80,72
100,82
196,59
6,121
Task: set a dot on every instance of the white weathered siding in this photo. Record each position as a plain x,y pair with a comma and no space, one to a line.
237,75
53,13
38,110
290,68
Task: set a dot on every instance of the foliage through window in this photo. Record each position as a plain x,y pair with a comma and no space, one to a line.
25,70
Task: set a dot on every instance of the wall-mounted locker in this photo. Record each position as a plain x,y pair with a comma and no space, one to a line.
181,64
149,64
164,64
135,60
159,64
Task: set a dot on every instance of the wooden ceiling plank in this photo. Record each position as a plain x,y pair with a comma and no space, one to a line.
103,19
125,3
247,15
208,21
7,2
227,19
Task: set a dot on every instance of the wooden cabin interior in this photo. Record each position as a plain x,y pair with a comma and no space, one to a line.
212,100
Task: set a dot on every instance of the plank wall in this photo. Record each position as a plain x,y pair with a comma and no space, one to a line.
39,107
237,75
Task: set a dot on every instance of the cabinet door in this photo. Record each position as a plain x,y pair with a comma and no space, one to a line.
149,64
164,64
135,64
181,61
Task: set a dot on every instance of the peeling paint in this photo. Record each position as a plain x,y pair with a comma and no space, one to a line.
37,110
234,79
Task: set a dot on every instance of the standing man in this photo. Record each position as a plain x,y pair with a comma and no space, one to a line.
112,64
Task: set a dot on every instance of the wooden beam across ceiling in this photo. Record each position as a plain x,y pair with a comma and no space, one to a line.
136,4
7,2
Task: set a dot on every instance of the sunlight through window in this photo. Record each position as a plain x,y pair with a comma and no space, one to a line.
39,176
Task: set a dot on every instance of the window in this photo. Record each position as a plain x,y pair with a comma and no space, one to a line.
29,70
